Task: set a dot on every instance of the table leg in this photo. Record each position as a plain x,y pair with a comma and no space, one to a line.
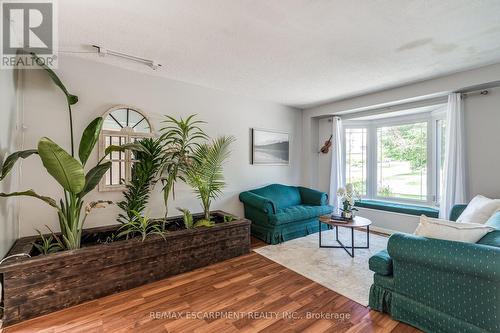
319,223
368,236
345,247
352,243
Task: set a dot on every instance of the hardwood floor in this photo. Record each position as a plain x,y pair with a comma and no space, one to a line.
245,294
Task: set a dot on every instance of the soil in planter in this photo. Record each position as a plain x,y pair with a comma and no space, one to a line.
103,237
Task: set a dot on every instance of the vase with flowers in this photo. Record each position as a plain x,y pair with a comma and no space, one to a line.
348,197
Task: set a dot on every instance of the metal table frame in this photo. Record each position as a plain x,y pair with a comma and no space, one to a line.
342,246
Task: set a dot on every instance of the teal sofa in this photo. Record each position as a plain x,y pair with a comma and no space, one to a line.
280,212
438,285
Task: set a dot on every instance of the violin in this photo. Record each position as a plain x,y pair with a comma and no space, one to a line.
326,147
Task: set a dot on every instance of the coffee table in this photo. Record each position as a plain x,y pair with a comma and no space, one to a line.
358,222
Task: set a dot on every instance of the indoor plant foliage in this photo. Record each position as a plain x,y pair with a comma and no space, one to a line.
189,222
148,161
347,196
68,172
180,138
205,174
140,225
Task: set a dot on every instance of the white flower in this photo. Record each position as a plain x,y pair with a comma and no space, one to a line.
341,192
349,189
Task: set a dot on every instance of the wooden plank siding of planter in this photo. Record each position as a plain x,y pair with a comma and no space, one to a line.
43,284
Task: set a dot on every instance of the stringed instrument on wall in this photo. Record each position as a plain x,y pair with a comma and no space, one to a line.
326,147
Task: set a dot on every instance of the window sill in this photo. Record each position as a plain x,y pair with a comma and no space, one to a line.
398,208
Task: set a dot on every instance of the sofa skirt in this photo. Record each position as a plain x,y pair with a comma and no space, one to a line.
282,233
406,310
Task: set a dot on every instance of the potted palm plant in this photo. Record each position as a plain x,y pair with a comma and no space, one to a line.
205,175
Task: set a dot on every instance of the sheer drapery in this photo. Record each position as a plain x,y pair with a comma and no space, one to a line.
454,182
337,169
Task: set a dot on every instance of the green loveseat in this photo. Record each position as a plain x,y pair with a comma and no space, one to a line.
280,212
438,285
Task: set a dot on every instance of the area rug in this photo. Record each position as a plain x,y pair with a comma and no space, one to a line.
332,268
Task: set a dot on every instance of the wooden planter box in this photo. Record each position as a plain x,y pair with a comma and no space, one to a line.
43,284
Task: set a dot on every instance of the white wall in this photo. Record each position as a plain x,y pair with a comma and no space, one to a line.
101,86
482,118
8,144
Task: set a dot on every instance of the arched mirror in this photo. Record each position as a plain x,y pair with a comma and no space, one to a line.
122,124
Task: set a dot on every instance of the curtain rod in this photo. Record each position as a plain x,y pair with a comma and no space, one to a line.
379,109
479,89
437,98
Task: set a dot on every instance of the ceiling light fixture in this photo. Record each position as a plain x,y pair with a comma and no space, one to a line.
102,51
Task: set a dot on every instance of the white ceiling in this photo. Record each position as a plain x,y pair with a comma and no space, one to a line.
295,52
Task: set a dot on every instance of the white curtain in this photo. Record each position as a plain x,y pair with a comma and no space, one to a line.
337,171
454,183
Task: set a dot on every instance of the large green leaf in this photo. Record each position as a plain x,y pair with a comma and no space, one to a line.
94,176
31,193
65,169
89,139
12,159
127,146
72,99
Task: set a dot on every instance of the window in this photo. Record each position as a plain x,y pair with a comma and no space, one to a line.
402,161
399,158
356,159
121,125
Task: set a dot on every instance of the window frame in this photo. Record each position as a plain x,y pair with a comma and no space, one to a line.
357,125
432,119
129,135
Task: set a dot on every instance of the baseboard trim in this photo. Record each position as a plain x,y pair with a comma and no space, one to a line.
383,230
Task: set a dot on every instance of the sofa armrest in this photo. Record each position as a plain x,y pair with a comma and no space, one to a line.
313,197
259,202
381,263
462,258
456,211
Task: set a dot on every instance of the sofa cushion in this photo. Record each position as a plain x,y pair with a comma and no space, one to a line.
397,207
381,263
312,197
479,210
494,221
282,195
452,231
492,238
299,212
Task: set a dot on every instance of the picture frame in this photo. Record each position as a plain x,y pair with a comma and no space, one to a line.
270,147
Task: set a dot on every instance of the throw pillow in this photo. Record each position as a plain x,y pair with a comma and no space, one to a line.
453,231
494,221
479,210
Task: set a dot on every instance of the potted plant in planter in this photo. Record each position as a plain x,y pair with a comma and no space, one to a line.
51,279
148,162
180,138
347,196
205,175
68,172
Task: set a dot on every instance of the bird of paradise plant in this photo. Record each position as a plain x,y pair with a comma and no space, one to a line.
68,172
